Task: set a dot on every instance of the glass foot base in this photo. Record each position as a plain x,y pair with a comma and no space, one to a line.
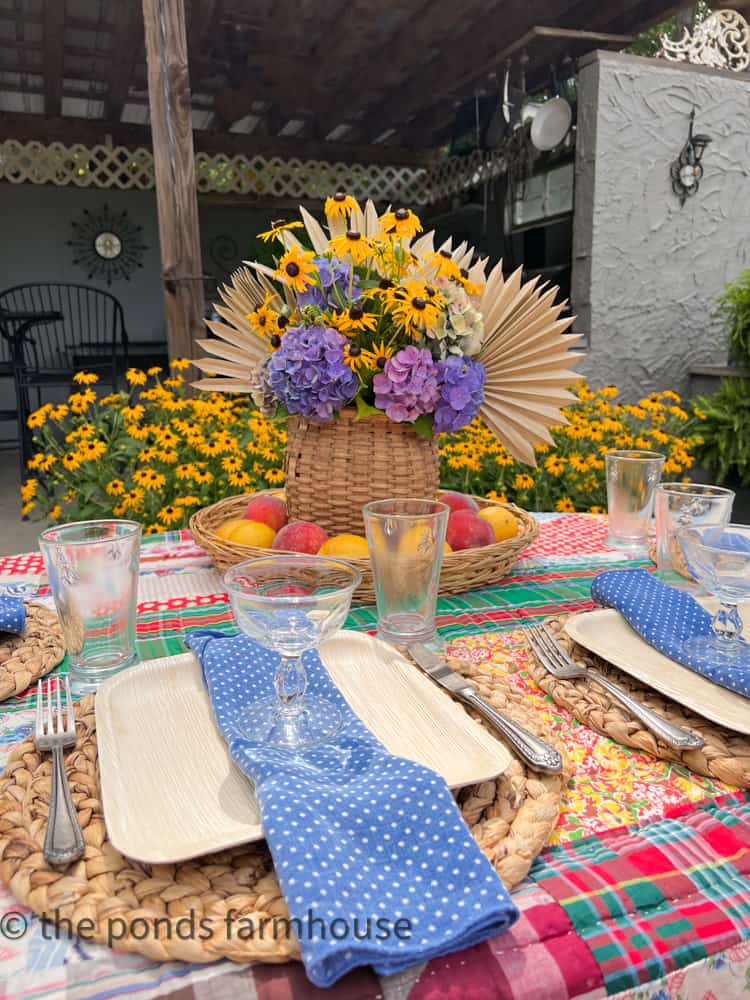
87,679
626,544
722,652
318,721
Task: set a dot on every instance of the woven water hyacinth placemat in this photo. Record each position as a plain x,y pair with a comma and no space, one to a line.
223,905
25,658
725,755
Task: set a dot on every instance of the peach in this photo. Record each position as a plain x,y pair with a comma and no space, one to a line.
301,536
466,530
268,510
458,501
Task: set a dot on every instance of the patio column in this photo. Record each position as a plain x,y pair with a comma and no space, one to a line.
174,167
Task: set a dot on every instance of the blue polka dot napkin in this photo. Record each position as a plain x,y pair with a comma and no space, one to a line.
372,854
12,615
666,618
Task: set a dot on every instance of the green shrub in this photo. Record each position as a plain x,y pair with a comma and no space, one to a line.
722,423
734,310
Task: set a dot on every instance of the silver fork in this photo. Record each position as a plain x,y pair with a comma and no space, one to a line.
63,841
557,661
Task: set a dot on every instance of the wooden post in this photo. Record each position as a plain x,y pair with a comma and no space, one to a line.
174,167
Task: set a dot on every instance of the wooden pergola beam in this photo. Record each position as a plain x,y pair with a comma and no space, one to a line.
128,46
174,170
89,132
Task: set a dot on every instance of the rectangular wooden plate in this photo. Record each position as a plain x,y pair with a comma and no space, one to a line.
606,633
171,791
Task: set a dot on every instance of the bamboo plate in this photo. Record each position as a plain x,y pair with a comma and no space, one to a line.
170,790
606,633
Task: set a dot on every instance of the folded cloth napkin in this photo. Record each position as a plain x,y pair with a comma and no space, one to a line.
12,614
666,618
373,856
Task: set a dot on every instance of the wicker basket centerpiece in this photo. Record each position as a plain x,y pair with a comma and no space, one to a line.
461,571
372,341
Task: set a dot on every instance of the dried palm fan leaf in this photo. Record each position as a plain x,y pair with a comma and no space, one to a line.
527,360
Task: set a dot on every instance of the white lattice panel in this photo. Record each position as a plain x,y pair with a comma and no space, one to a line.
119,167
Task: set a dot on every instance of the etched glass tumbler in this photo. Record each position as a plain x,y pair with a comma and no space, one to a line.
92,567
680,505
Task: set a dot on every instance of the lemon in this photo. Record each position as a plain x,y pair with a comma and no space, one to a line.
353,546
417,540
225,530
447,548
502,521
253,533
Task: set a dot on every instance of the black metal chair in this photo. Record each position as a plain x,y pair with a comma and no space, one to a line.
54,330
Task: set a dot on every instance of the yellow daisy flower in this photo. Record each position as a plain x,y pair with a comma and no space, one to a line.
115,487
188,501
203,476
353,356
27,508
90,451
85,378
444,265
416,306
180,364
154,370
135,376
39,417
232,463
170,514
565,505
355,320
353,243
523,481
151,479
28,489
401,224
340,205
56,513
71,461
154,529
377,356
60,411
296,269
239,479
277,228
275,476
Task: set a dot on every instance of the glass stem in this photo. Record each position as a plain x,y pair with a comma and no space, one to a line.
290,683
726,623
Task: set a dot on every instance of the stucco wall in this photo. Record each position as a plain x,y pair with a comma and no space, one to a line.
645,270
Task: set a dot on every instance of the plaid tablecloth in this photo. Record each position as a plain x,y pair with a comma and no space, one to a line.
644,893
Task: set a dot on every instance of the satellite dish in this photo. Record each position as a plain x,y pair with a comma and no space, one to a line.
551,123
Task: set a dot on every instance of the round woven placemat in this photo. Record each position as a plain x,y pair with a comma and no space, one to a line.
25,658
725,755
181,911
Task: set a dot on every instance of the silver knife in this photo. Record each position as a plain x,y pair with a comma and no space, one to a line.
535,752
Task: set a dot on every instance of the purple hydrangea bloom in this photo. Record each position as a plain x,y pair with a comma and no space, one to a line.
332,273
308,374
461,382
408,385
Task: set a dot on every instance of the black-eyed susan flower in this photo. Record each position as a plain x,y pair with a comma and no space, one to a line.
377,356
277,228
340,205
203,476
565,505
353,356
470,287
90,451
443,265
180,364
263,319
296,269
187,501
154,370
275,476
154,529
80,401
86,378
115,487
135,376
416,305
169,514
150,479
355,320
133,499
231,463
401,224
28,489
56,513
39,417
522,482
186,471
239,479
71,461
353,244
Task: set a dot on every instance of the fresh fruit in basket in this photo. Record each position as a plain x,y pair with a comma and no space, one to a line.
346,546
225,530
502,520
268,510
466,530
458,501
300,536
254,533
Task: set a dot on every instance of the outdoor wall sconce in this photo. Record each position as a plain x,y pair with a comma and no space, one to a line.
686,171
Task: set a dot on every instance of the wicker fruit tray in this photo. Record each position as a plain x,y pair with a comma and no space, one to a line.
461,571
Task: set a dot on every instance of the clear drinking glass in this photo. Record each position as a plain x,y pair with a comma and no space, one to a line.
719,558
679,505
406,540
632,477
291,604
92,568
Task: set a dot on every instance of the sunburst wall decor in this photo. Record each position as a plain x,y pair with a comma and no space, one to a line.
107,244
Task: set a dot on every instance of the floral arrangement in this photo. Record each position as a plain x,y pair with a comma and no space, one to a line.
152,454
373,315
570,473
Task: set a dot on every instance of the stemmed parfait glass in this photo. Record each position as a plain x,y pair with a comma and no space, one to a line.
718,557
290,604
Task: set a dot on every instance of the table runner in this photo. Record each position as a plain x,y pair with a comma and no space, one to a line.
642,894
